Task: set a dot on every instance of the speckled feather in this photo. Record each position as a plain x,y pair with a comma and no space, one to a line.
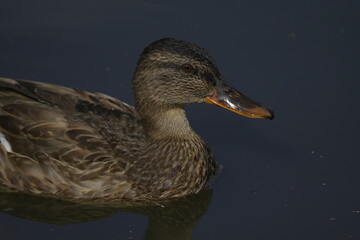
66,142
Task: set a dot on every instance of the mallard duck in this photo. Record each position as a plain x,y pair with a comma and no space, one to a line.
69,143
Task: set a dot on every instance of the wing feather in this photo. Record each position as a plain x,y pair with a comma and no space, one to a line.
65,141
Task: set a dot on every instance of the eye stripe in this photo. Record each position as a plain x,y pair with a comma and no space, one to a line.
167,65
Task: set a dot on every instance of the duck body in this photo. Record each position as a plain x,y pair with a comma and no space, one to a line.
68,143
77,144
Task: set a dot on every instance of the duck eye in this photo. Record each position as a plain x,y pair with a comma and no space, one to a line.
187,68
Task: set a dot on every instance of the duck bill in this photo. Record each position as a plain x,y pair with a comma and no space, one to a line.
229,98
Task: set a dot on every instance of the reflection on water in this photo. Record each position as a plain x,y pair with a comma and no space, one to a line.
171,219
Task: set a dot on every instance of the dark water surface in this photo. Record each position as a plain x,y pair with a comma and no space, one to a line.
297,177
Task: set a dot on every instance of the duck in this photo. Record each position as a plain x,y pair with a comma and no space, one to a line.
67,143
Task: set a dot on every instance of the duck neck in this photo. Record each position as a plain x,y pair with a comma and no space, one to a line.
165,121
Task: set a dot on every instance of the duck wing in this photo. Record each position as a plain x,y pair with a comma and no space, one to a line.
65,142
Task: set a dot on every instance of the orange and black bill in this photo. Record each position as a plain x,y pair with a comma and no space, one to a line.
229,98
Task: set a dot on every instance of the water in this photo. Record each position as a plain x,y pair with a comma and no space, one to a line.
295,177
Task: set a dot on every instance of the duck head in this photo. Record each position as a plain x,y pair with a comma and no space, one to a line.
173,72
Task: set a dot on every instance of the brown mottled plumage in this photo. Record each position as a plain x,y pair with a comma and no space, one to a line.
69,143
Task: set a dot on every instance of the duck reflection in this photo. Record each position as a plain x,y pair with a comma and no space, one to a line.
170,219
